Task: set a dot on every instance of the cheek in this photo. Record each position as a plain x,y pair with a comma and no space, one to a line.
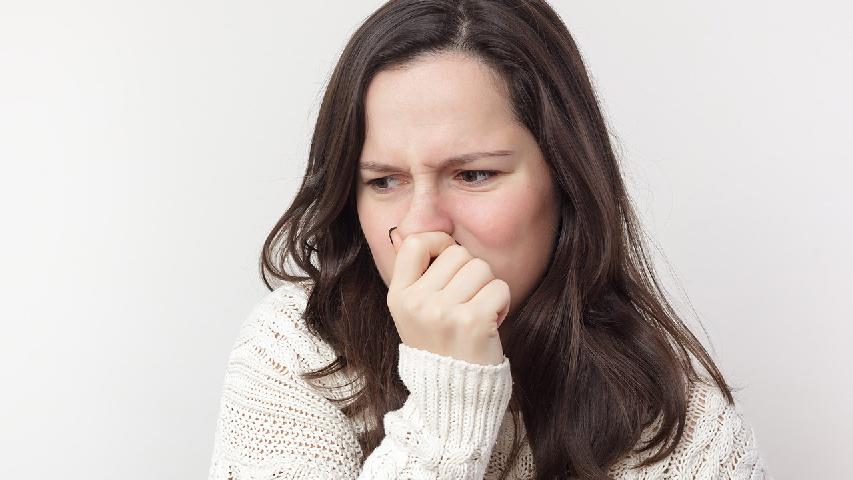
502,222
511,233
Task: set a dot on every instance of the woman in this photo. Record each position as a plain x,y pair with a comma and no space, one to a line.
475,301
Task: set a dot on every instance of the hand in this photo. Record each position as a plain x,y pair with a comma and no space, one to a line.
452,306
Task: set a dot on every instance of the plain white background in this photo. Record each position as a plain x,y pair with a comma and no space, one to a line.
148,147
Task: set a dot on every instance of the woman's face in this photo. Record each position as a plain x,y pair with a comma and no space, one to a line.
435,109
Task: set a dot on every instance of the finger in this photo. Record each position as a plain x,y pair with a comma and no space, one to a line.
494,297
444,268
414,254
472,277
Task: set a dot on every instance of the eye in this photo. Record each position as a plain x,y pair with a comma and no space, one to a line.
488,174
376,183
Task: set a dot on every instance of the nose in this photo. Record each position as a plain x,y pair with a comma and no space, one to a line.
425,213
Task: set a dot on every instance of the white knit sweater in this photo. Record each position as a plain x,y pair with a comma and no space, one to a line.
454,425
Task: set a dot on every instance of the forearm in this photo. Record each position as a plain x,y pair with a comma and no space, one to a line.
448,425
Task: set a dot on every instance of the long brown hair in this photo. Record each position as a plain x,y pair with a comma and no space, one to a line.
598,353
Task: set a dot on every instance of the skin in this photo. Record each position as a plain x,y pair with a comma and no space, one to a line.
435,108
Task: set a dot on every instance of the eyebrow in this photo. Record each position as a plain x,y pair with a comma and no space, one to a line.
453,161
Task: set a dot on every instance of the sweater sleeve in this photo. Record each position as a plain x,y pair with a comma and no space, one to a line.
273,424
448,426
717,443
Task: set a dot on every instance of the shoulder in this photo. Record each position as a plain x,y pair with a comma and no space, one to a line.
718,437
718,442
711,419
275,326
271,421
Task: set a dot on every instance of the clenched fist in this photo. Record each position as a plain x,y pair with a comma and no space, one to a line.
451,306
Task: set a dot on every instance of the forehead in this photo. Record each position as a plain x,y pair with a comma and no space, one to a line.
435,104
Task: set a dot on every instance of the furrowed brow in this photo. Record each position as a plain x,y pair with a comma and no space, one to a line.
453,161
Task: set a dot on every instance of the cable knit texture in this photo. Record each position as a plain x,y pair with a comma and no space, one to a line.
454,425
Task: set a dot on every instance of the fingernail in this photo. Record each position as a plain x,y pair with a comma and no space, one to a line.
389,234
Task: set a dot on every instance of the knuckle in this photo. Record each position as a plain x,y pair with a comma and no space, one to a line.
464,319
439,321
413,242
412,303
501,288
431,312
481,265
458,251
422,307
